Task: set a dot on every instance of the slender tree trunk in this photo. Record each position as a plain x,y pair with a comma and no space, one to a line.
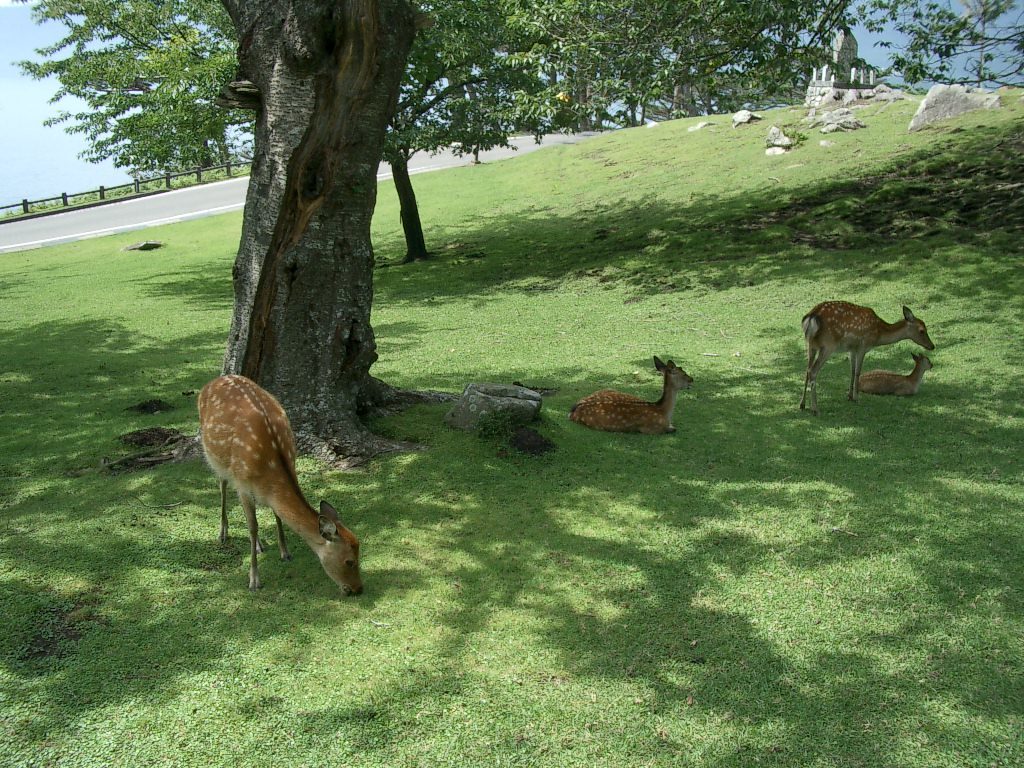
323,77
415,244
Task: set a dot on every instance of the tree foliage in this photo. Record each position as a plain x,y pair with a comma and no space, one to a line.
610,61
460,86
974,40
148,73
459,92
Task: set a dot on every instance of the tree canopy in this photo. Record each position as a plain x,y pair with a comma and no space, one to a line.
460,91
973,40
148,73
611,61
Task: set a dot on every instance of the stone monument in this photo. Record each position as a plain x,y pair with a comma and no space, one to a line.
841,81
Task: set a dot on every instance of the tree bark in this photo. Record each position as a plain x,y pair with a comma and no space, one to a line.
326,75
415,243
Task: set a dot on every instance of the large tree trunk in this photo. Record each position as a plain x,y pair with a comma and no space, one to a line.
415,243
324,79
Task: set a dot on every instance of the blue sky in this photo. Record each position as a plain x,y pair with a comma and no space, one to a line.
37,161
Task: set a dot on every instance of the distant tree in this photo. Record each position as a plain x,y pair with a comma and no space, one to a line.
611,61
459,92
149,72
980,41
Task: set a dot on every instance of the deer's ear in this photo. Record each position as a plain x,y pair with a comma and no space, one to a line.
326,510
328,527
908,315
658,365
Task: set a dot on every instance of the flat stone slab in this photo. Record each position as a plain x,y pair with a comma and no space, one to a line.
479,402
145,245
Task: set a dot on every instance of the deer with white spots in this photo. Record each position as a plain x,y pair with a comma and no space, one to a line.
838,326
611,411
248,442
889,383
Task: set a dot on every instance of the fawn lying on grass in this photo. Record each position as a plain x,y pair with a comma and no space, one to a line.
612,411
889,383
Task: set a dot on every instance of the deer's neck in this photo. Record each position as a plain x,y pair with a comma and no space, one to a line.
291,506
916,375
890,333
667,403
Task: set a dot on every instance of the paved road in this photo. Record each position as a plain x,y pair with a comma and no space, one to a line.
196,202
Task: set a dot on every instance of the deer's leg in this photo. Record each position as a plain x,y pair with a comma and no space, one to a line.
223,511
812,374
249,506
856,363
811,352
282,545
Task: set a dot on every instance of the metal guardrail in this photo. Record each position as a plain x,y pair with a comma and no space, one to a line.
161,183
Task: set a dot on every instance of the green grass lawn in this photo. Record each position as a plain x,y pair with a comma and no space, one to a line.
760,588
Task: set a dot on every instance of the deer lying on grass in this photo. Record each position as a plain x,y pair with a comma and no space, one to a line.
888,383
838,326
612,411
248,442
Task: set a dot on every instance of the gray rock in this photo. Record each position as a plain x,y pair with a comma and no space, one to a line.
822,96
776,138
851,95
511,404
841,119
775,151
884,92
946,101
826,143
743,117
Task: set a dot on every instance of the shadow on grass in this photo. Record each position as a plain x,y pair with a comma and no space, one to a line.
618,597
644,589
655,621
70,385
928,206
208,287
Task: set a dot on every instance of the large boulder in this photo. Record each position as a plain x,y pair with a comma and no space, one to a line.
841,119
743,117
946,101
506,404
884,92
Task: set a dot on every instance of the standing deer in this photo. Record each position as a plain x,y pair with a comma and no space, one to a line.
612,411
888,383
838,326
248,442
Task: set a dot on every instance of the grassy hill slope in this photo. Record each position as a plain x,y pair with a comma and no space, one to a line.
761,588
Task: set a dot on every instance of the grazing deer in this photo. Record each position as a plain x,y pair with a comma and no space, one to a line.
612,411
838,326
248,442
888,383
